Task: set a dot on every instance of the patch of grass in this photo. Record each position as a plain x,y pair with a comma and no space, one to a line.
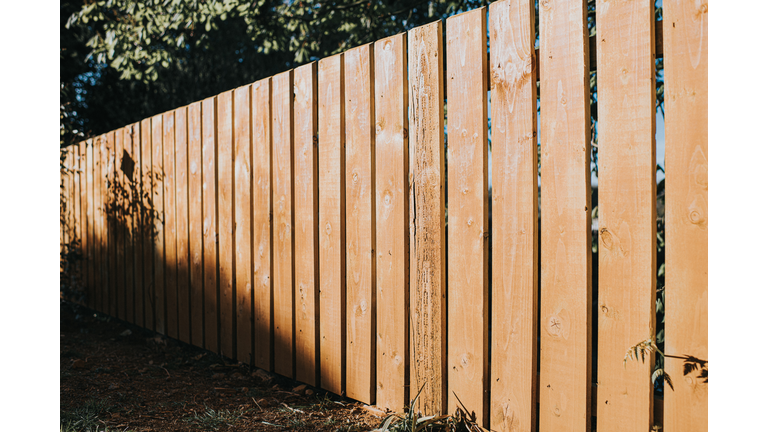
85,418
211,419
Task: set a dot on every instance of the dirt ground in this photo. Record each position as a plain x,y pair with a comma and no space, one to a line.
116,376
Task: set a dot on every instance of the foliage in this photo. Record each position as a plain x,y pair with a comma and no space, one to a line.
210,419
85,418
412,421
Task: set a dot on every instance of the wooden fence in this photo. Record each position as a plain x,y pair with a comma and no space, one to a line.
299,223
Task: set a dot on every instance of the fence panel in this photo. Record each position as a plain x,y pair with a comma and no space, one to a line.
182,223
468,258
210,227
242,197
687,219
261,123
627,214
306,228
282,190
391,110
427,170
196,250
331,179
565,385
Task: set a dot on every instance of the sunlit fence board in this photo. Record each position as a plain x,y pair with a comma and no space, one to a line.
261,127
686,59
119,208
137,213
306,228
427,170
90,218
468,258
514,313
627,196
330,114
126,174
391,128
111,200
242,216
196,250
210,244
147,227
104,185
224,158
565,385
282,191
169,218
98,290
182,223
158,178
77,210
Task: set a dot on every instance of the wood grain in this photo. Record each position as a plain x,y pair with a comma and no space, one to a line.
225,230
104,180
126,182
515,224
627,223
282,190
243,210
210,224
90,218
392,300
306,211
361,223
566,241
330,114
261,125
686,72
136,238
196,250
147,226
81,150
111,200
120,207
158,178
77,230
182,223
98,256
427,219
169,205
468,231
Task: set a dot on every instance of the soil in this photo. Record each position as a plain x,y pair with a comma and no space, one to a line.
130,379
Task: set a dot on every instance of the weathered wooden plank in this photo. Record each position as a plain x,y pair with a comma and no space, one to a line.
136,212
147,226
196,251
261,125
427,231
182,224
169,219
627,223
331,156
84,218
224,179
90,216
210,226
306,210
360,173
98,262
158,179
566,242
111,200
468,231
391,109
120,206
125,170
242,215
282,190
515,224
686,72
77,209
104,181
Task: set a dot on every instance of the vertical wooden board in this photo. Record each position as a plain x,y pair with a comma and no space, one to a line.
627,223
307,231
468,320
182,224
76,209
147,226
686,73
97,255
169,205
261,125
120,206
196,251
391,109
137,213
514,311
84,217
111,199
104,194
224,158
427,230
90,215
125,174
282,190
210,242
331,185
361,222
565,384
242,197
158,180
